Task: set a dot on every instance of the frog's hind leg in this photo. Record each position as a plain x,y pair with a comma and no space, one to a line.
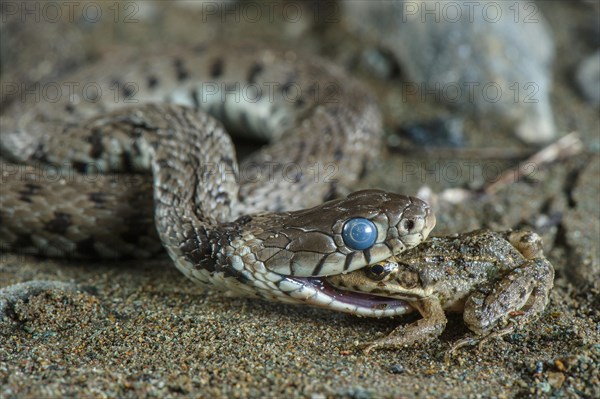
520,296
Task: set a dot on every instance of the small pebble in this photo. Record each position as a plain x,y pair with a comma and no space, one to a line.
559,365
556,379
396,369
539,368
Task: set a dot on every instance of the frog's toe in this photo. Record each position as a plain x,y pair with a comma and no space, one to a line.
496,334
461,343
388,343
480,341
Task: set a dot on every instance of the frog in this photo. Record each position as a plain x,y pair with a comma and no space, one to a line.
496,279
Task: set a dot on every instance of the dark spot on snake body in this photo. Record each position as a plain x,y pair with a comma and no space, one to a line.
227,161
98,198
199,253
95,140
128,91
299,102
87,247
181,72
24,198
216,68
29,190
126,161
231,272
254,71
70,108
23,241
152,82
59,224
135,229
243,220
80,166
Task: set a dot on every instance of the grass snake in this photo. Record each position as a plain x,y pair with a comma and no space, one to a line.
273,227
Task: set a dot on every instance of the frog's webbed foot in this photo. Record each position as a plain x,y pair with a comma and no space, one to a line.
429,327
479,341
520,296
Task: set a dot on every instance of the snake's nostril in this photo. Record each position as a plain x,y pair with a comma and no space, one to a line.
409,224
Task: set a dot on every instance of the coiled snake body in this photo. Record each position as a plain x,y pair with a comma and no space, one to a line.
232,229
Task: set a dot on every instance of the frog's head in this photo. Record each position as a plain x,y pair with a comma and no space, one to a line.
389,278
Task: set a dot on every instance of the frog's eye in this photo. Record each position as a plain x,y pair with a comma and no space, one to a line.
378,271
359,233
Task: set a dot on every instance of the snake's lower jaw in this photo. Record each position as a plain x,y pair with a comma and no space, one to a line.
318,292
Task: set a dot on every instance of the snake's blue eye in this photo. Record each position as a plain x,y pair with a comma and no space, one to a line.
359,233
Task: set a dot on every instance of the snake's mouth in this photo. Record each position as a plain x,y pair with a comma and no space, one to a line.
319,292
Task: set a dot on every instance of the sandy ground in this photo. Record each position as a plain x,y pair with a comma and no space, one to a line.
140,329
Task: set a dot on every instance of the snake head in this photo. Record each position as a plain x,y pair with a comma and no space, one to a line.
288,256
343,235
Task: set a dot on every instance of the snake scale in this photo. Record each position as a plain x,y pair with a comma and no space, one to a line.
272,228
